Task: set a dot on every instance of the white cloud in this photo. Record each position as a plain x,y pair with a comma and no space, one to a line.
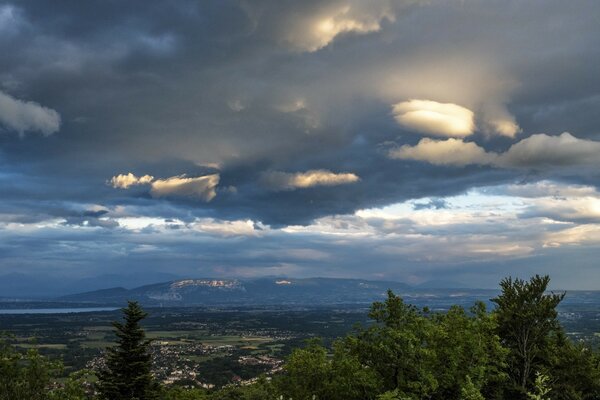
444,152
588,234
549,189
313,32
202,187
536,151
431,117
124,181
23,116
289,181
497,120
229,228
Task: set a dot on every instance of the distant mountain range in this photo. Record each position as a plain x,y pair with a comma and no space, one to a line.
263,291
271,291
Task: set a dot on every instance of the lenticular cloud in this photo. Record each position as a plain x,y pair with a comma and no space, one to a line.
431,117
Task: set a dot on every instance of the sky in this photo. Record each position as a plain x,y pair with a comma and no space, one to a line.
406,140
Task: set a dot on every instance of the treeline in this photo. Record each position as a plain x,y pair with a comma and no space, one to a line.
517,351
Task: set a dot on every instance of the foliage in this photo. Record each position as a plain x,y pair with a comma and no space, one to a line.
24,376
541,387
309,372
469,391
518,351
74,388
128,365
429,355
527,318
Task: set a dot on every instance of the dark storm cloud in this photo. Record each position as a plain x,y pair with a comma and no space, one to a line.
248,89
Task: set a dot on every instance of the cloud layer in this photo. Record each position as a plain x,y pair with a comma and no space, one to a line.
538,151
343,111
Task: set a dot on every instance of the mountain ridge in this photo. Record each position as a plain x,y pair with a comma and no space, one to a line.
252,291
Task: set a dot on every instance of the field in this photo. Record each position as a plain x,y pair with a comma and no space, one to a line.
191,346
217,346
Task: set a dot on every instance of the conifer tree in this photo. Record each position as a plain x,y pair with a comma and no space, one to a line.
127,375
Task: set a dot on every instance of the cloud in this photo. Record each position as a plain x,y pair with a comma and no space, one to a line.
23,116
549,189
318,29
444,152
588,234
229,228
202,187
497,120
123,181
542,150
436,204
277,180
431,117
535,152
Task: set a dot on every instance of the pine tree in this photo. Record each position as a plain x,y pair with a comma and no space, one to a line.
127,375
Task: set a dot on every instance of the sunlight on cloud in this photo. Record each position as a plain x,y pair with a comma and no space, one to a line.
277,180
431,117
536,151
314,32
444,152
229,228
588,234
124,181
202,187
504,127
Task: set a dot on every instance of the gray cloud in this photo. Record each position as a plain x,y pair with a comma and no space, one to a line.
538,151
243,89
23,116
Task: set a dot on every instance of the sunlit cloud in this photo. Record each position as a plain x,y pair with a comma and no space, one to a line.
278,180
444,152
202,187
536,151
588,234
125,181
27,116
431,117
313,32
229,228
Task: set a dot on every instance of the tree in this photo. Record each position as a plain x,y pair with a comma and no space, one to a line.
25,376
127,375
574,368
466,352
469,391
527,318
541,387
396,347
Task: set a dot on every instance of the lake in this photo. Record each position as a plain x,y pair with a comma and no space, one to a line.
56,310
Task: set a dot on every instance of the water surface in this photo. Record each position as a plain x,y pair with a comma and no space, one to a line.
56,310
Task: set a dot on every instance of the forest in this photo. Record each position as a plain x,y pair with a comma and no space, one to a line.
517,350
